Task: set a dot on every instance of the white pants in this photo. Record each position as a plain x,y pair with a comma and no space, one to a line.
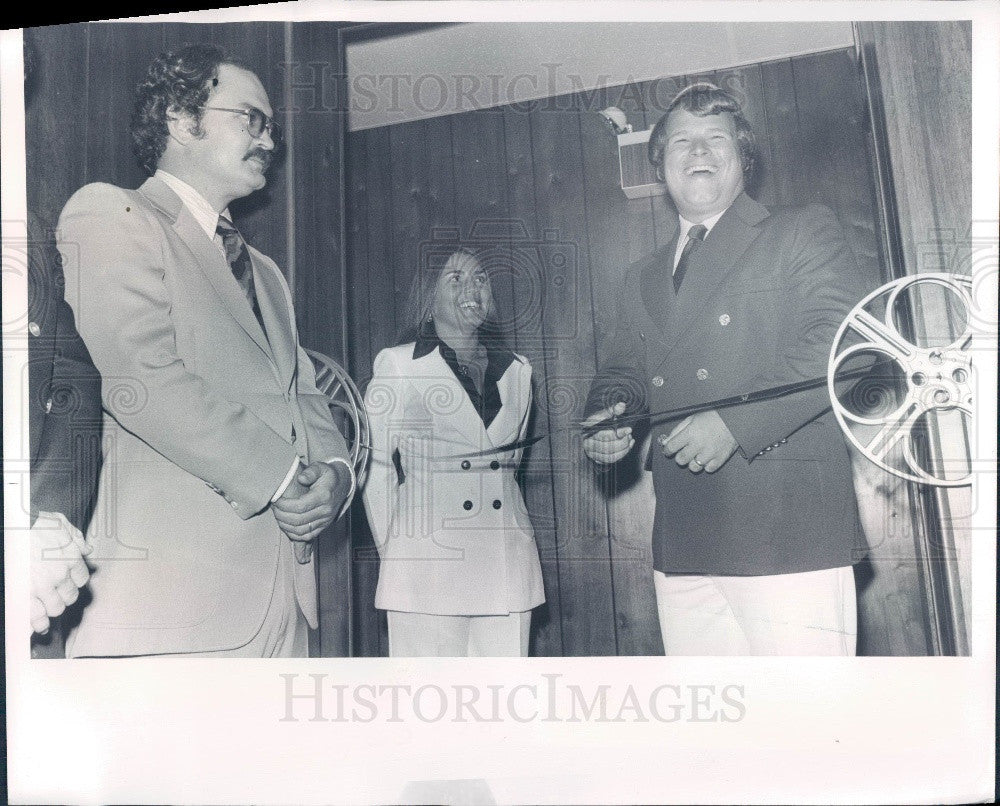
423,635
810,613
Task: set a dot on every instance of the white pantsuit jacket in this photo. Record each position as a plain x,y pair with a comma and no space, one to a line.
453,536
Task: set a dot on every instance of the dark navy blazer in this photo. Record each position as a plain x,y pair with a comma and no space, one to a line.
759,307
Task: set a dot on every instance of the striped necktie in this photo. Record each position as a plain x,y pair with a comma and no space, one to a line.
239,261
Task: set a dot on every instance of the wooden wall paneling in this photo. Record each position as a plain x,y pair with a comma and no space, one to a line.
481,209
617,228
364,556
546,627
374,326
381,230
831,111
111,94
656,96
56,118
748,85
411,206
789,162
313,160
586,585
930,143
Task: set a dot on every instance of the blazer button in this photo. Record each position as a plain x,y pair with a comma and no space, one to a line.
702,374
34,329
657,380
494,465
466,464
724,319
234,505
467,505
497,504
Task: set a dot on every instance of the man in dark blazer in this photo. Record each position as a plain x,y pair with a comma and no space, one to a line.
64,423
755,524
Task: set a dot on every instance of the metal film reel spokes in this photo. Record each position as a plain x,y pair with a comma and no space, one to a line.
348,407
927,382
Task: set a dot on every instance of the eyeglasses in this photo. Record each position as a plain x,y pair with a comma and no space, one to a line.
257,121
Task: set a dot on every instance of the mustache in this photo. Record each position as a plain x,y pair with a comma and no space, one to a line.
266,157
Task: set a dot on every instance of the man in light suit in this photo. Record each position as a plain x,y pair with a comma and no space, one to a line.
223,462
755,523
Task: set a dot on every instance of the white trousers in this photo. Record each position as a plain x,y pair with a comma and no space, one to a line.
424,635
809,613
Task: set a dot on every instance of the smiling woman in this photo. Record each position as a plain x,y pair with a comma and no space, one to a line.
459,571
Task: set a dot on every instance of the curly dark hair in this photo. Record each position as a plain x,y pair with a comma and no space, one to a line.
704,99
176,82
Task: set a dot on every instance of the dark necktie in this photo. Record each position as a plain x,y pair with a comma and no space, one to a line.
239,261
695,236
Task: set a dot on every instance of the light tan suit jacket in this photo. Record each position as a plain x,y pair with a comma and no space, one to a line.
204,415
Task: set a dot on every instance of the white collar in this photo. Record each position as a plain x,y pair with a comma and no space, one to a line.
197,205
685,225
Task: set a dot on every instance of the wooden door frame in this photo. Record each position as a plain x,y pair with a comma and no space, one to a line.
945,610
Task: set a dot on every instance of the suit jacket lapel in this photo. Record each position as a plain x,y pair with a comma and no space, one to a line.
208,256
714,261
506,424
655,285
277,318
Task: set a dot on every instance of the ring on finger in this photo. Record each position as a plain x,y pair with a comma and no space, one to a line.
696,462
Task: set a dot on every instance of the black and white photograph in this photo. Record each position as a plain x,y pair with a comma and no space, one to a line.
531,406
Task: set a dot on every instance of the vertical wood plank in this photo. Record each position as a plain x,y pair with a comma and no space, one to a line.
111,95
56,117
619,231
536,464
585,582
364,556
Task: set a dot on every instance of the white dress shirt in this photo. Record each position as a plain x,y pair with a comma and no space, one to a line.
685,227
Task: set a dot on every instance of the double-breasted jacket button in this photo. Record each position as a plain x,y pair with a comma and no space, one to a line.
725,319
497,503
657,380
702,374
494,465
234,505
466,464
34,329
466,505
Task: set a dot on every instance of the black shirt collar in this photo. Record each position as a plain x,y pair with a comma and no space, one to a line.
499,359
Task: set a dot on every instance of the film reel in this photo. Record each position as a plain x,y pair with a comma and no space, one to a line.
912,415
348,408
